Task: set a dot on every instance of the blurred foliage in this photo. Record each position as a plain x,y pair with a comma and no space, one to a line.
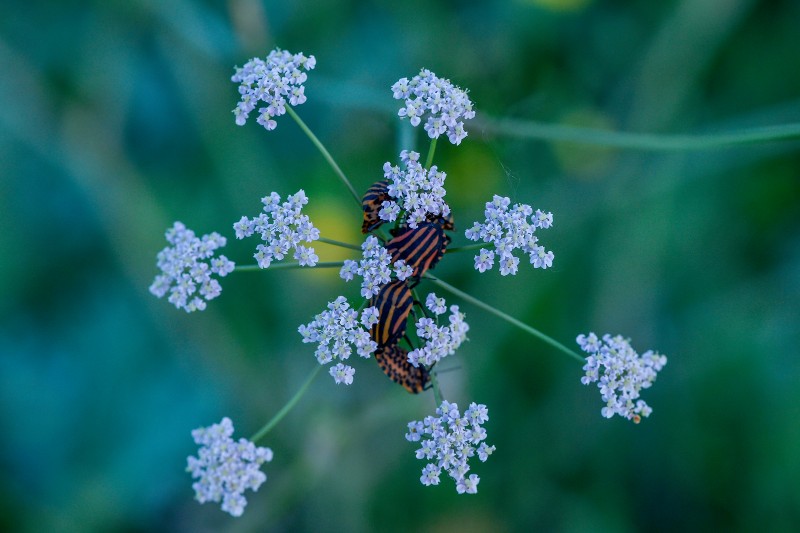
115,121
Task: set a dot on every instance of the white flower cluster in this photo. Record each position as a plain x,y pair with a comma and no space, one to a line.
226,468
624,374
508,229
272,81
436,304
189,264
335,330
282,227
441,340
375,268
415,190
447,104
448,441
342,373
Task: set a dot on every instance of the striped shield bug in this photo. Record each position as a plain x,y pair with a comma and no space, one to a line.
393,360
421,247
372,202
448,222
394,303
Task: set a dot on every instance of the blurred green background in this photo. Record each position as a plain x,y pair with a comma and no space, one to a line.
115,120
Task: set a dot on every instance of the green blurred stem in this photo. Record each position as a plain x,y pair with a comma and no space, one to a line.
324,152
641,141
437,392
339,243
286,408
431,151
467,247
283,266
508,318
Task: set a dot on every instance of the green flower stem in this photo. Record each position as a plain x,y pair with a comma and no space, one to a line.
467,247
641,141
283,266
288,407
431,151
339,243
437,392
324,152
508,318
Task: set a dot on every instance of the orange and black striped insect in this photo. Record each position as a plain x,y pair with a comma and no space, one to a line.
421,247
372,202
394,303
448,222
393,360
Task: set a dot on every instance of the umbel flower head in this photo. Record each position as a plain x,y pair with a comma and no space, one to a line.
226,468
447,106
415,190
620,374
272,81
375,268
282,227
335,330
507,229
187,267
441,341
448,441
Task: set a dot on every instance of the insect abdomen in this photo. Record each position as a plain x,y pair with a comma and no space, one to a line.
394,303
393,360
371,203
419,247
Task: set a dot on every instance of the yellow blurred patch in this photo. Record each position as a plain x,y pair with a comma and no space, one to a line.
338,221
472,179
582,160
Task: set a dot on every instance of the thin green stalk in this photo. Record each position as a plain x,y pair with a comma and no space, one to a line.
339,243
466,247
284,266
641,141
324,152
508,318
431,151
288,407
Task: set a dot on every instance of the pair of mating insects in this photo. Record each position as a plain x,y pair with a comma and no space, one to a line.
421,248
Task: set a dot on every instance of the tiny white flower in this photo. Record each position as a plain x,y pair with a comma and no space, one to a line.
342,373
436,304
